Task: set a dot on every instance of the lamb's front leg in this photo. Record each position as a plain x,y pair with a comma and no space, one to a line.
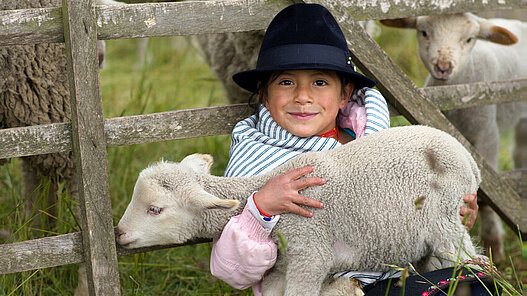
305,268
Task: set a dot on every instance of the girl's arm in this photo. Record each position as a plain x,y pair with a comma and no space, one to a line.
243,253
245,250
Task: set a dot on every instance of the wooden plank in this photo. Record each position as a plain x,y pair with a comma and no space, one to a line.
199,122
381,9
28,26
80,34
185,18
174,125
57,251
477,94
41,253
137,129
404,95
450,97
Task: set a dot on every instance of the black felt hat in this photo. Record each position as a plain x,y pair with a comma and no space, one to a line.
303,37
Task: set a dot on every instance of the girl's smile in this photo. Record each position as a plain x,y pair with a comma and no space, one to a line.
306,102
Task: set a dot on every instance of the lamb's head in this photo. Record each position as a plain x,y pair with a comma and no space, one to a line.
167,204
446,41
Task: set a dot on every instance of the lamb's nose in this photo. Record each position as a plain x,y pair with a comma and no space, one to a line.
443,67
120,232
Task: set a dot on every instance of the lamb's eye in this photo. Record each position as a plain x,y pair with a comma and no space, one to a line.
469,39
424,34
153,210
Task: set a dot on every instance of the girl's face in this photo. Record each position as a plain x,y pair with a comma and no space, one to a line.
306,102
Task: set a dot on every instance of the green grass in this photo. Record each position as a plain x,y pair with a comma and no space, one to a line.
175,78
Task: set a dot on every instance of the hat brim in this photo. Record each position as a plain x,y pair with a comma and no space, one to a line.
249,79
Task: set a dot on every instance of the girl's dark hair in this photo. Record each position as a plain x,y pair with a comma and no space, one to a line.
267,77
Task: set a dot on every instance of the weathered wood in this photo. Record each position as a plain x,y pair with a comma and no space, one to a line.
41,253
383,9
185,18
137,129
27,26
174,125
404,95
57,251
80,35
476,94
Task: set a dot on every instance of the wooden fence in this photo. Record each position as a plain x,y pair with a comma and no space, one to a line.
79,24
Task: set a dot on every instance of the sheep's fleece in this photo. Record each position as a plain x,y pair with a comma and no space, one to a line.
369,219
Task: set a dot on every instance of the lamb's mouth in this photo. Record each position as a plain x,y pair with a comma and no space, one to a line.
126,245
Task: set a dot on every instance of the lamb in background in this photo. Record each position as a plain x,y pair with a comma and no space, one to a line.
464,48
361,227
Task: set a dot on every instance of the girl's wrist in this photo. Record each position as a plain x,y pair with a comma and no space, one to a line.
259,209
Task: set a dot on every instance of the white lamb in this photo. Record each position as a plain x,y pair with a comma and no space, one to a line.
464,48
361,227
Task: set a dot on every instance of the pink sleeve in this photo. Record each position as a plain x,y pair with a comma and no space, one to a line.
243,253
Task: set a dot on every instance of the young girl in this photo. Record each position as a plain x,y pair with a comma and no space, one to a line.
304,79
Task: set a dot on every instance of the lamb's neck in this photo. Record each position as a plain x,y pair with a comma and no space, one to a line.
226,188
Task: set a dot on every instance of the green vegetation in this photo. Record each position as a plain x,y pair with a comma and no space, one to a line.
174,77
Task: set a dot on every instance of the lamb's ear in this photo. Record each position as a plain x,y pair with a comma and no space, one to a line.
489,31
408,22
200,163
205,200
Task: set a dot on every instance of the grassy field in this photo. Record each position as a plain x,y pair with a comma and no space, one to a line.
173,77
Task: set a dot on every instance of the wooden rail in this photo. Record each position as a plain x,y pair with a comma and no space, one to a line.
26,26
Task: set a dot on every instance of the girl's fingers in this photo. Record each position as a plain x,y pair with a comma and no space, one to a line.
307,182
306,201
294,208
294,174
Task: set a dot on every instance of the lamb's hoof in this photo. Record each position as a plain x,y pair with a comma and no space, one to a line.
341,286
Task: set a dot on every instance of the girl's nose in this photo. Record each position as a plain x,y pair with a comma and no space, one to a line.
303,95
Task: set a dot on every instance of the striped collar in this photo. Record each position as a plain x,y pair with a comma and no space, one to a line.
259,144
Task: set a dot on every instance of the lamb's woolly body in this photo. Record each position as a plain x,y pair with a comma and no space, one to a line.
369,218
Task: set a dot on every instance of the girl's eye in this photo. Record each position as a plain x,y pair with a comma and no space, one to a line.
153,210
320,83
286,82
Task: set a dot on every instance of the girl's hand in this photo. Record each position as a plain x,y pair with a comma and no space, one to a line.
471,211
280,194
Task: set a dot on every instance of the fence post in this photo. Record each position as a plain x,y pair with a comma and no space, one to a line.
80,34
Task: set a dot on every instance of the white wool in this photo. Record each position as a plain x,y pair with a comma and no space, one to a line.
369,213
